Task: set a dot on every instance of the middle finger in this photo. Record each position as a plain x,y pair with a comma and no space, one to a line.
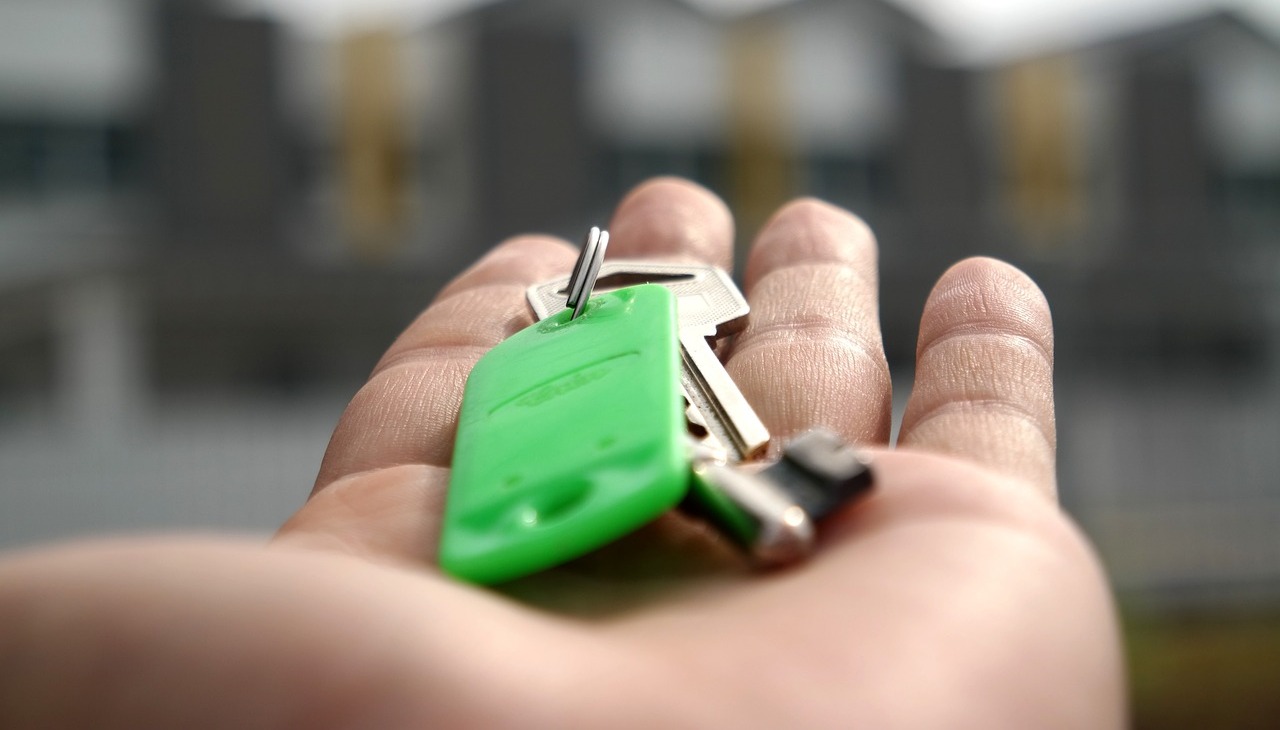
672,220
812,354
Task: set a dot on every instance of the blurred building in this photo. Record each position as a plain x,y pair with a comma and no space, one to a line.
1148,203
179,328
568,104
1176,133
210,227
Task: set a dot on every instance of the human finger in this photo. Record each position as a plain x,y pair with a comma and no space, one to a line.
672,219
380,491
812,354
984,373
407,412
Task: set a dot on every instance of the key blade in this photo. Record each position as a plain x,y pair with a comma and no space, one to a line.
725,410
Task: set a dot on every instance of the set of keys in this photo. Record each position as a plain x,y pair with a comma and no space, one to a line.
612,409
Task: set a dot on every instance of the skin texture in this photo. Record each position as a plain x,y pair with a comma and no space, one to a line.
957,596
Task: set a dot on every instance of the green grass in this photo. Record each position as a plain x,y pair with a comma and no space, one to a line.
1204,671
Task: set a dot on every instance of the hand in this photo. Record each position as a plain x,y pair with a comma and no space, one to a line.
958,595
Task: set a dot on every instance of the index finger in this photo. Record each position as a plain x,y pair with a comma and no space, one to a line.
407,412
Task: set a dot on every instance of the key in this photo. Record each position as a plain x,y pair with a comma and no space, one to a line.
773,513
709,306
571,434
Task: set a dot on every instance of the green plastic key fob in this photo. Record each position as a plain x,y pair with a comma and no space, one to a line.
571,435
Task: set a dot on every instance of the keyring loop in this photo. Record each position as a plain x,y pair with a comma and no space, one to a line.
586,269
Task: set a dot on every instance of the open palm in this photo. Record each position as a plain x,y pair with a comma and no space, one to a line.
958,595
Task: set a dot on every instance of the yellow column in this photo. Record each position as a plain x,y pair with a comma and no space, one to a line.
374,151
1044,156
761,162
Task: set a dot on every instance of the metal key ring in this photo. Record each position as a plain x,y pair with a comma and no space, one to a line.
585,271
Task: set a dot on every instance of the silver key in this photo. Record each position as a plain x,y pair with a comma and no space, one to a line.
709,306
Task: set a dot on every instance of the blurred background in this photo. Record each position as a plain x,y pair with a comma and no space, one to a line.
214,216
